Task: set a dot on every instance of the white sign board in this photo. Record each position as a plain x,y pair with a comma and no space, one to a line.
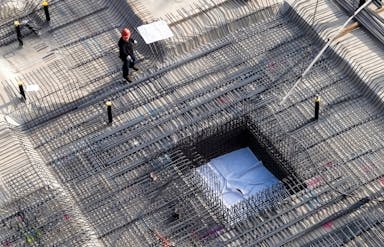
155,31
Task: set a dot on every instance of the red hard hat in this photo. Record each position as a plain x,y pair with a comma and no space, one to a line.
125,33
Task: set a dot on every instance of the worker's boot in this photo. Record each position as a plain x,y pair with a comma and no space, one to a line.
135,68
128,78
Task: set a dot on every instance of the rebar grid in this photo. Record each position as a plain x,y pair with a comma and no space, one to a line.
77,26
37,211
131,178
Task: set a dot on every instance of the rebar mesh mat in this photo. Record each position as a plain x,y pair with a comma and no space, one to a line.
133,180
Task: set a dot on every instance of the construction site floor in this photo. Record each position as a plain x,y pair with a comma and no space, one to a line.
132,182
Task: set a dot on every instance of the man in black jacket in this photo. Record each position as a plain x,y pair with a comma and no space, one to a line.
126,53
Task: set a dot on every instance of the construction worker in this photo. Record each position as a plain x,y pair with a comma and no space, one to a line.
126,53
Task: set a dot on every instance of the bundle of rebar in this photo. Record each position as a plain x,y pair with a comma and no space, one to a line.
373,22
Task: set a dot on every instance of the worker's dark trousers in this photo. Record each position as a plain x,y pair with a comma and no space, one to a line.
128,63
20,41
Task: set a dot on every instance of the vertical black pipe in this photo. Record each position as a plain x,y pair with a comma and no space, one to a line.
46,11
18,33
317,107
21,89
109,111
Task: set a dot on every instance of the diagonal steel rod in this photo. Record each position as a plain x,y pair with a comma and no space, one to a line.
322,52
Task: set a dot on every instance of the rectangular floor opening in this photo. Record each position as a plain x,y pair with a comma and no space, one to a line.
237,138
238,176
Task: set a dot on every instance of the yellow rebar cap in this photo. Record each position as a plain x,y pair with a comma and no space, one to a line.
108,103
45,3
17,23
